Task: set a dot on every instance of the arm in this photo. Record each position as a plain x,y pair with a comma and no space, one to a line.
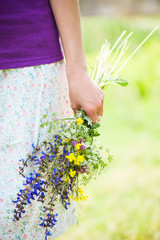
83,91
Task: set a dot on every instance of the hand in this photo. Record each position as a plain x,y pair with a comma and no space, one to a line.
85,94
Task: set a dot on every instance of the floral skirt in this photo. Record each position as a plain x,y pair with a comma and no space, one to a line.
25,95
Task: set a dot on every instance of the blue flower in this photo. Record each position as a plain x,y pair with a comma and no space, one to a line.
50,158
47,234
64,151
28,201
33,146
67,163
55,170
16,200
53,219
66,206
42,223
44,210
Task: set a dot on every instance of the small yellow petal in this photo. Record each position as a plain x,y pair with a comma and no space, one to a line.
70,157
80,158
77,146
79,120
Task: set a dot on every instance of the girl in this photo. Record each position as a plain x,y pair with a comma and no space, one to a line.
35,80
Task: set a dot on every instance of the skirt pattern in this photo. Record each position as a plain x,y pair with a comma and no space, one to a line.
25,95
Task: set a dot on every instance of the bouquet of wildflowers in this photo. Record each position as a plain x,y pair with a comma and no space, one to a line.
71,157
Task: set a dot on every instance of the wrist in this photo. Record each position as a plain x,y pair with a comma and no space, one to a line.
76,69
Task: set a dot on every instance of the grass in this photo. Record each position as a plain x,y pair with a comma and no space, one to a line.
124,203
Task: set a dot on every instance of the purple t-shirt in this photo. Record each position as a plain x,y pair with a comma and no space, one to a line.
28,34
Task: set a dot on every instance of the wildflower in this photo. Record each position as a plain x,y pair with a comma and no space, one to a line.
76,162
80,191
67,179
70,157
74,142
84,198
82,147
74,198
50,158
80,158
72,173
67,140
78,145
79,121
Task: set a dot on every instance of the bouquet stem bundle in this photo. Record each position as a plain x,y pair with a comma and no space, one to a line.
71,157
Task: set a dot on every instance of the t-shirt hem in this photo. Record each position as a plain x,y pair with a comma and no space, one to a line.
31,62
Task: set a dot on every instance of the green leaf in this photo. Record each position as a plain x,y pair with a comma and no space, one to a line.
53,114
44,116
120,81
95,125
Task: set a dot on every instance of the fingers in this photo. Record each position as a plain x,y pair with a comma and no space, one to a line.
98,111
92,113
100,103
75,108
94,109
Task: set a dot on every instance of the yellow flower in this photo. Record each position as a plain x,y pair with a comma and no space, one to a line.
76,162
79,120
80,191
80,158
67,140
70,157
72,173
84,198
77,146
79,197
74,198
67,179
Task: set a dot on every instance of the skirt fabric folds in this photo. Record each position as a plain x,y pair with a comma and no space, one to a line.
25,95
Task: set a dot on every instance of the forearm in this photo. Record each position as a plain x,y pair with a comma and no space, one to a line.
67,17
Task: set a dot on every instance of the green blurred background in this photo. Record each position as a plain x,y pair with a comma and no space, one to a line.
124,203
